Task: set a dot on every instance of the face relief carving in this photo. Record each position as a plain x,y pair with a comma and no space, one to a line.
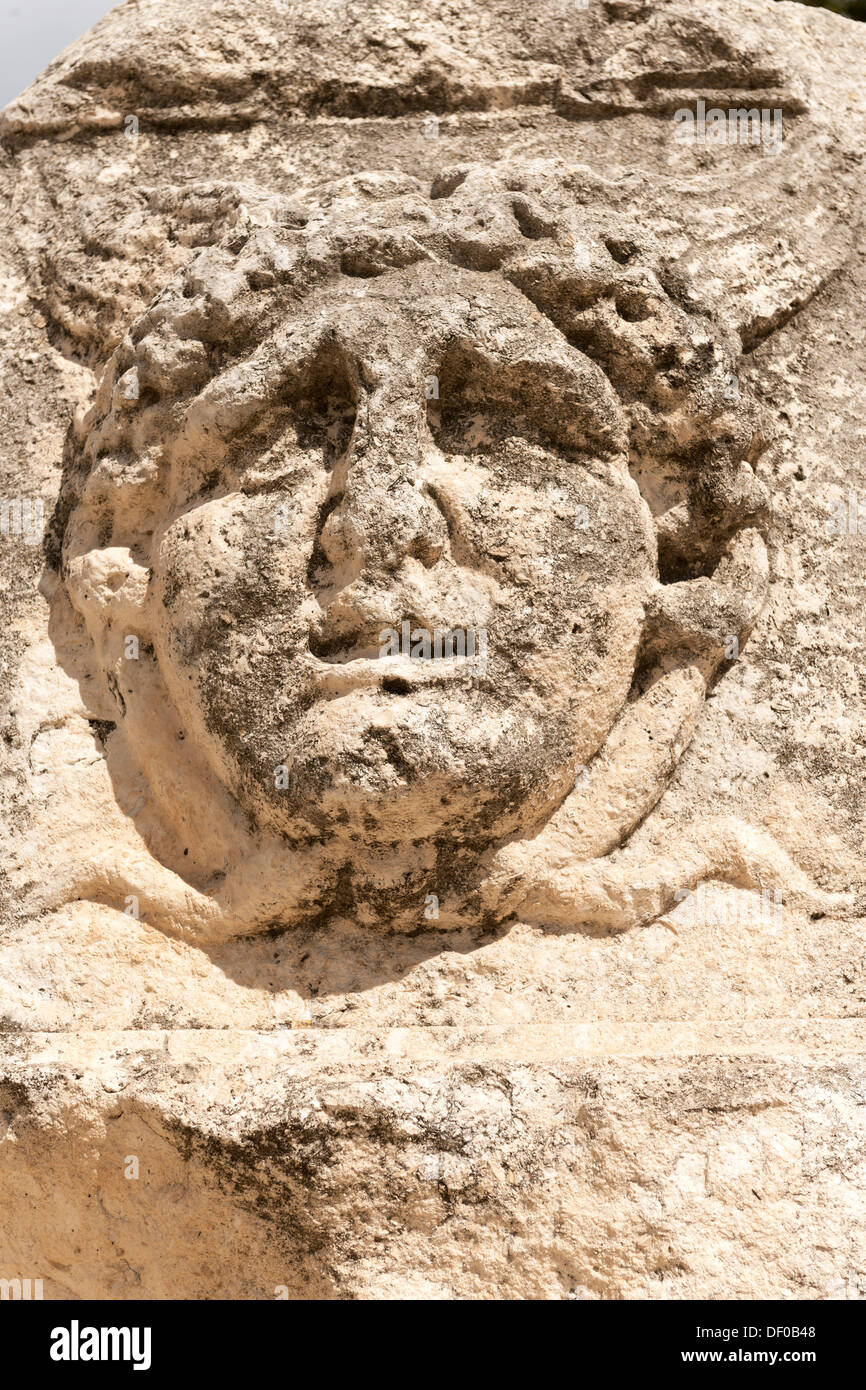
348,510
476,413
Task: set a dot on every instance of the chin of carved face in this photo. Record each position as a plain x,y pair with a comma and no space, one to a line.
304,618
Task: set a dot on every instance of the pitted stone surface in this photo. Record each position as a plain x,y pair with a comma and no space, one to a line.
317,326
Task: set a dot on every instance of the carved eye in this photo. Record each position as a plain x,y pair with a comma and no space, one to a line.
310,422
542,399
324,406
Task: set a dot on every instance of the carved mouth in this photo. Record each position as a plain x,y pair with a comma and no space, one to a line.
338,644
395,675
350,660
338,648
353,649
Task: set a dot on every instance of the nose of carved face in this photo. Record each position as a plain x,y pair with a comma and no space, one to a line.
371,527
381,528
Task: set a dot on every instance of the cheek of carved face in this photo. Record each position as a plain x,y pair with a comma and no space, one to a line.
301,687
231,591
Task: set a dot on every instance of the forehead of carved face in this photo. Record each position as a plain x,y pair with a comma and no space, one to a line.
399,584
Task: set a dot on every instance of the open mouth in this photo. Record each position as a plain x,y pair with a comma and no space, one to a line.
340,649
395,675
350,637
396,660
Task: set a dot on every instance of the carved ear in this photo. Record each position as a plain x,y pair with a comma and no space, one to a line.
107,587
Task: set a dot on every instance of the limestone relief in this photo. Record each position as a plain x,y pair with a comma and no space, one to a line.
432,719
479,410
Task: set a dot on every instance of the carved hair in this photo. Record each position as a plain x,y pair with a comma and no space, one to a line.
693,434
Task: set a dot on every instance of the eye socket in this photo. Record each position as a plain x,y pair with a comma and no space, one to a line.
325,407
313,416
483,401
474,412
474,428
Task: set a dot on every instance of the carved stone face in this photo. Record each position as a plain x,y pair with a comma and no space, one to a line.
427,451
334,443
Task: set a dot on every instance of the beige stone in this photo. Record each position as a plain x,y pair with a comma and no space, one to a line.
434,701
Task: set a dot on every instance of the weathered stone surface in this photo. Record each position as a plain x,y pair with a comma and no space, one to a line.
321,324
527,1163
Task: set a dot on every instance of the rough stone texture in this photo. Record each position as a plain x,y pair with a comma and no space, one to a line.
538,976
